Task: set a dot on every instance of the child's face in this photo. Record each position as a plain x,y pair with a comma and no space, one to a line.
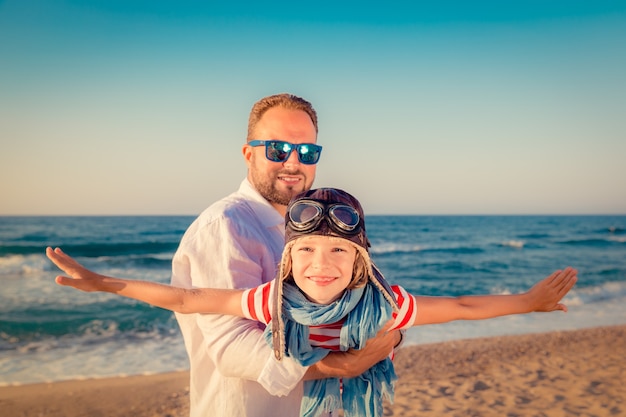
322,267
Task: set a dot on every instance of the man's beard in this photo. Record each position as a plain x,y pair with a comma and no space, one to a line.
267,189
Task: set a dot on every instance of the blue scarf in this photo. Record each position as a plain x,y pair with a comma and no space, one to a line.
366,311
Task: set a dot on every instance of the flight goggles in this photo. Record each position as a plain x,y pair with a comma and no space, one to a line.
279,151
306,215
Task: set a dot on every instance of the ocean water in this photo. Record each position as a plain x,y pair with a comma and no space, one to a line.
52,333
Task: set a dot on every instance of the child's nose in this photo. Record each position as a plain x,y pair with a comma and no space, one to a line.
320,260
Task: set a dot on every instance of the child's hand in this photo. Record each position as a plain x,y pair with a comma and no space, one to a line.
546,294
80,277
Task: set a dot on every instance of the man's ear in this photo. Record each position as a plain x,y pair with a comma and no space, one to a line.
247,150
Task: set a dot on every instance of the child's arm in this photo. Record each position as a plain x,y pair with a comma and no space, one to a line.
181,300
544,296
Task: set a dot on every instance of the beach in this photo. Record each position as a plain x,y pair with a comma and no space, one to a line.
569,373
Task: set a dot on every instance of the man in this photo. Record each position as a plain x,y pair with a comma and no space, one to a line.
237,243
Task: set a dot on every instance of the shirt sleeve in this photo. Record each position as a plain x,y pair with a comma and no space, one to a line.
256,303
405,318
222,254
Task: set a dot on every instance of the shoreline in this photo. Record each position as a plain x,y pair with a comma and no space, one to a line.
573,372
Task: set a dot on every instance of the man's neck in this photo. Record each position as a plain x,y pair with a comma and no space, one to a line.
282,210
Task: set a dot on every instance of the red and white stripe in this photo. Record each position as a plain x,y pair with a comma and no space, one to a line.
256,305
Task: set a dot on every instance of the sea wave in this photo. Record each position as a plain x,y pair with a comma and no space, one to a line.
93,249
514,243
395,248
614,230
535,236
390,249
22,265
608,291
148,261
593,242
55,325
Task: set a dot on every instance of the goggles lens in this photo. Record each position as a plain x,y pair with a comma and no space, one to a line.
307,215
279,151
345,215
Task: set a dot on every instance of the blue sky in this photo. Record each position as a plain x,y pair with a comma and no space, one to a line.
447,107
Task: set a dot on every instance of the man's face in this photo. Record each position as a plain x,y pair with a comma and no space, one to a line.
278,182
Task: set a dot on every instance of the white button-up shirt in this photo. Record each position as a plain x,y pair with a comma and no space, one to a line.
235,243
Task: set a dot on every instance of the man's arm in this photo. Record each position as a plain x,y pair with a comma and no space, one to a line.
354,362
220,255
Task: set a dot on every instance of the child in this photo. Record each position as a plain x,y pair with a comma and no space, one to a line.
328,295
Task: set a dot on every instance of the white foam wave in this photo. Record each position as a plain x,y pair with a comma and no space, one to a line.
597,294
389,247
23,265
110,359
514,243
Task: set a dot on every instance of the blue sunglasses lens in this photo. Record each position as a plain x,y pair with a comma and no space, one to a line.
309,154
279,151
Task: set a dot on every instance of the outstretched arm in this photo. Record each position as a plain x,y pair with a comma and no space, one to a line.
544,296
180,300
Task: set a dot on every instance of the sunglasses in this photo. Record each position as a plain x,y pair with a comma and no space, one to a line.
279,151
306,215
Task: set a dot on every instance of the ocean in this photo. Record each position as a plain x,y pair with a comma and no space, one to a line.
51,333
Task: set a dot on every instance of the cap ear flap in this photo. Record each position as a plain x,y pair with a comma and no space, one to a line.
381,283
367,269
277,320
277,323
285,269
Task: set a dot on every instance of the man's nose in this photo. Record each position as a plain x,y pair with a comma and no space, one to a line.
293,160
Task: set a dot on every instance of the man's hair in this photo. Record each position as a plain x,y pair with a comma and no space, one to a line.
287,101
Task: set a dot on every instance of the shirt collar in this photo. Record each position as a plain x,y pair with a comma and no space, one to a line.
266,213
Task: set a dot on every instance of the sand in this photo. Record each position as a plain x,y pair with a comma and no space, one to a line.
576,373
573,373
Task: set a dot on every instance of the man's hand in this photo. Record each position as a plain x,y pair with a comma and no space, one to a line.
354,362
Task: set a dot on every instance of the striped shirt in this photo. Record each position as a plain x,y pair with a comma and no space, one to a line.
256,304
